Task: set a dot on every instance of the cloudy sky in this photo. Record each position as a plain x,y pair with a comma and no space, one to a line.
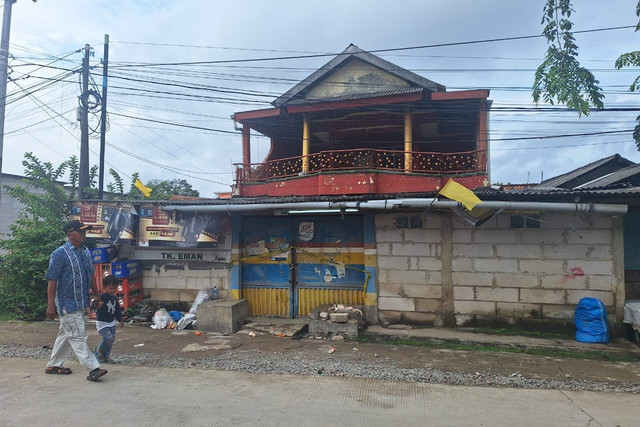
148,32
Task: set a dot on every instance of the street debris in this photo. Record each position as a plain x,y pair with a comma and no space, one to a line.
332,350
138,345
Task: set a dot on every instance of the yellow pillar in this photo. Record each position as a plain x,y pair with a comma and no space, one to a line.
305,146
408,142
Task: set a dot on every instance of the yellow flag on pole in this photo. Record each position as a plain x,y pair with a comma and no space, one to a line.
145,190
454,191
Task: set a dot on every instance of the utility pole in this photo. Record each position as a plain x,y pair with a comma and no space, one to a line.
4,64
103,113
84,124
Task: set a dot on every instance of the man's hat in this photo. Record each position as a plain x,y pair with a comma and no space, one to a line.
75,225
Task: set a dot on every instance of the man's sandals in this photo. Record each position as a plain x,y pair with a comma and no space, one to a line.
96,373
58,370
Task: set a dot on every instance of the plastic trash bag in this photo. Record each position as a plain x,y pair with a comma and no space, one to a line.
176,315
161,319
188,319
591,321
202,296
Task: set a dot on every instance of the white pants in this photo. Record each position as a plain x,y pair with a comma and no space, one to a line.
72,336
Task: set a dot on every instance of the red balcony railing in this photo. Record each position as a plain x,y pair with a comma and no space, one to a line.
369,159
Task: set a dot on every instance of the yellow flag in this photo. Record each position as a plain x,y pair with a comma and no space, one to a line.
454,191
145,190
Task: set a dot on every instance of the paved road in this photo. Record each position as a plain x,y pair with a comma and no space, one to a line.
151,396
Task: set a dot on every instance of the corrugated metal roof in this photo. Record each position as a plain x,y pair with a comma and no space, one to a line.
564,179
356,96
616,177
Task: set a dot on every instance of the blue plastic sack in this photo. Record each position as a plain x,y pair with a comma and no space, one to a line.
591,321
176,315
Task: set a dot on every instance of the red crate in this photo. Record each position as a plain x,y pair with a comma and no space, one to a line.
129,284
100,271
129,299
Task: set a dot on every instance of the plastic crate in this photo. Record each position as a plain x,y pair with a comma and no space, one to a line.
100,255
129,299
100,271
125,269
129,284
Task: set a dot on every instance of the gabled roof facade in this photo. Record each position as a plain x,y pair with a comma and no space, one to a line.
354,55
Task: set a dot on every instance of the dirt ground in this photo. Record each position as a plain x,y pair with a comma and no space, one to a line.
187,345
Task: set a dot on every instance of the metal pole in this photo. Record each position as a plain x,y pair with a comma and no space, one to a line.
103,113
4,62
84,124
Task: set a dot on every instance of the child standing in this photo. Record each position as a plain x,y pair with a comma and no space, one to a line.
106,317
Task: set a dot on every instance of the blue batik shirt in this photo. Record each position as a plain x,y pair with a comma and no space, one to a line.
72,269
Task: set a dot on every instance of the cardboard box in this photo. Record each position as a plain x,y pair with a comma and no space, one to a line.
125,269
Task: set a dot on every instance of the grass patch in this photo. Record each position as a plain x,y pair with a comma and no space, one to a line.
4,317
492,348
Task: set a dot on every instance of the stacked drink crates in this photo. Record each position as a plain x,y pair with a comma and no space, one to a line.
129,291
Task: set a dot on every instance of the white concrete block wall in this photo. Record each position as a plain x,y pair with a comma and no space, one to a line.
409,268
497,271
532,273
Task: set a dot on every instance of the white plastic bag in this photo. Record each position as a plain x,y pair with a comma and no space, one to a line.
186,320
162,319
202,296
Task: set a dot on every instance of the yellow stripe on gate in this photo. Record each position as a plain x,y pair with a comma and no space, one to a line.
308,299
267,301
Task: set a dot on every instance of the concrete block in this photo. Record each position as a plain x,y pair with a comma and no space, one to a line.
461,236
540,236
323,328
407,276
563,312
429,263
339,317
396,304
590,237
494,236
188,295
422,235
496,294
472,279
163,294
600,283
393,262
541,266
428,305
496,265
434,278
385,221
384,248
600,252
413,318
463,293
607,298
518,251
390,235
591,267
164,282
508,280
226,316
519,310
410,249
462,264
388,316
432,221
565,281
477,250
564,251
546,296
474,307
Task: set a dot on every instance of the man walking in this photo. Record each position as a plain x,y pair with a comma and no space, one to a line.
70,275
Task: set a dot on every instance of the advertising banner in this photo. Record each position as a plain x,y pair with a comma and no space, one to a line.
179,229
111,222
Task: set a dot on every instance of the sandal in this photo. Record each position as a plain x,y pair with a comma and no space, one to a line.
96,373
58,370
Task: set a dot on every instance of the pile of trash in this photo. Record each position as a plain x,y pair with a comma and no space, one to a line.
338,313
163,319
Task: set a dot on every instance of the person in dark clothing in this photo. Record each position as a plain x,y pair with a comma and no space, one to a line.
117,223
108,312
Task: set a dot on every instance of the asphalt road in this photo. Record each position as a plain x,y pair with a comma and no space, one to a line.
159,396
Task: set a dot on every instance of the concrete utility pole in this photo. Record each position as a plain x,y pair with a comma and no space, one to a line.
84,123
4,63
103,113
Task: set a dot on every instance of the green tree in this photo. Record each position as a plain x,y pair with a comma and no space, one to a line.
32,238
560,78
165,189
